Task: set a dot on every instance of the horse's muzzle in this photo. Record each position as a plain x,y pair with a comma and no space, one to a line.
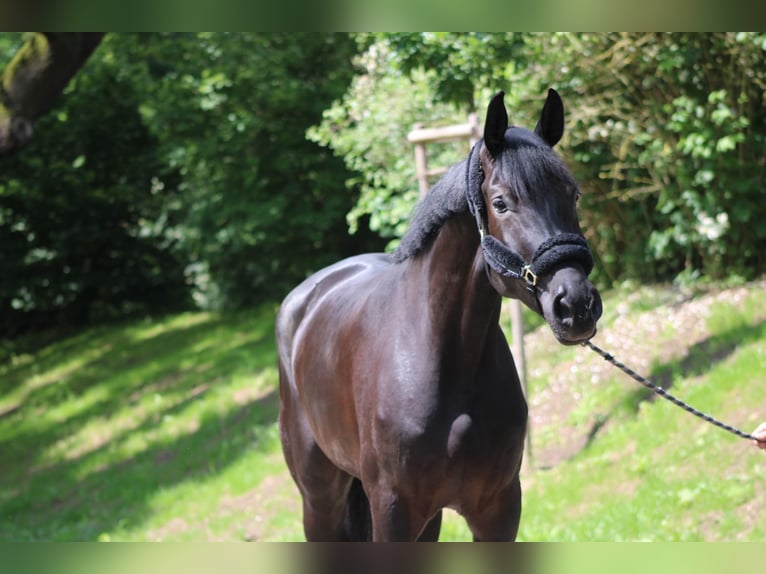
571,305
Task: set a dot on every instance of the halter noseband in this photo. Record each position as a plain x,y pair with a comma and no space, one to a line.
506,262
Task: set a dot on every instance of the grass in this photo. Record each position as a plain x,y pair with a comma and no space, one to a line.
139,431
656,473
166,430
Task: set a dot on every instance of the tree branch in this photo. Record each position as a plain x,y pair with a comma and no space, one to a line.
35,78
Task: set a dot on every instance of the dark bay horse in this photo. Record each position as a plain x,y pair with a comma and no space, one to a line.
399,394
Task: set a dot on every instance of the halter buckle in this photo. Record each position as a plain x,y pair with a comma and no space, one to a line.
480,224
529,276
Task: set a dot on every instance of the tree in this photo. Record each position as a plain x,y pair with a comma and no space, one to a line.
370,134
35,78
262,206
176,165
406,78
79,219
665,134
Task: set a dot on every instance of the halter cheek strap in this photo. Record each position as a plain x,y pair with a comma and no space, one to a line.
506,262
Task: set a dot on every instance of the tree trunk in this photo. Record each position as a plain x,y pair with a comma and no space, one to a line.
35,78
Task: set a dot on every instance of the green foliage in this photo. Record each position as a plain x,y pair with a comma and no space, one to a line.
80,222
176,166
9,45
709,135
461,63
370,134
665,133
406,79
262,206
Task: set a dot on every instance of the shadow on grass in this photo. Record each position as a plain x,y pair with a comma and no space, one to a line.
77,496
698,360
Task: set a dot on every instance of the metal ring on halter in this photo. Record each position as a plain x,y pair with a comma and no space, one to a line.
528,275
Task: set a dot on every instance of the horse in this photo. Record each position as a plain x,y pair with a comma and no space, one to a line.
399,396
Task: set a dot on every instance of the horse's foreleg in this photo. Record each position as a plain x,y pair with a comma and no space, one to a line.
323,486
324,489
323,520
498,521
396,519
432,530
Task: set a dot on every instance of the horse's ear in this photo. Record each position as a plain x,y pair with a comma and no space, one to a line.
495,125
550,127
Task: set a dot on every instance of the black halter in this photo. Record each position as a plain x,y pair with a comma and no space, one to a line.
503,260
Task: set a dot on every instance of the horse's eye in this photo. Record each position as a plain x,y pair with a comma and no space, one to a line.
499,205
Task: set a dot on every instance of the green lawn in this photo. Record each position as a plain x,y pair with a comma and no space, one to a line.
149,430
653,471
166,429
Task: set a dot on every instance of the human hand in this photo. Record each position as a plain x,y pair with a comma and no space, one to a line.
760,436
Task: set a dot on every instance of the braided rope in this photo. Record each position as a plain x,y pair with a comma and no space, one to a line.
663,393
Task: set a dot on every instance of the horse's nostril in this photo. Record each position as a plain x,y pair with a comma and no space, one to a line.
595,306
562,308
572,310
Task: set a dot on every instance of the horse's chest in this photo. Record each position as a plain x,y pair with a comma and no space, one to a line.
480,458
475,430
471,441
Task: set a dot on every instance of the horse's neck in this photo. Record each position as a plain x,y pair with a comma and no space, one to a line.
460,297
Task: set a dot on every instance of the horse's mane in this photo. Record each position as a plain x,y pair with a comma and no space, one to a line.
530,168
446,198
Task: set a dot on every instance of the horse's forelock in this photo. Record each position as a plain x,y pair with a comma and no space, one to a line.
532,169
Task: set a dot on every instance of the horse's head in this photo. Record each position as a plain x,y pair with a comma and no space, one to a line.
527,213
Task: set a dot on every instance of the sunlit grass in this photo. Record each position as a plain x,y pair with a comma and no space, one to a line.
166,430
96,425
656,473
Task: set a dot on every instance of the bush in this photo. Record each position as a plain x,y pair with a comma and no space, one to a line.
664,132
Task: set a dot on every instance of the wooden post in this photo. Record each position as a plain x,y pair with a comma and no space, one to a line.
420,136
421,163
473,123
519,357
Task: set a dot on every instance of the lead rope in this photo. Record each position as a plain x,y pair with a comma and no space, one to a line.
663,393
